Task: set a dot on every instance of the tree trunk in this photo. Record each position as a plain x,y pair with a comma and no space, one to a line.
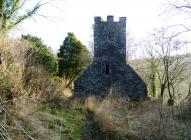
154,85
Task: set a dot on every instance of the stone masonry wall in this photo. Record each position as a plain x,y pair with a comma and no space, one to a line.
109,71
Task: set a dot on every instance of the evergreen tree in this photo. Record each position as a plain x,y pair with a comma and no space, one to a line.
73,58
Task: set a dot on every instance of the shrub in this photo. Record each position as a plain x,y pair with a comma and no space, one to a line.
23,76
42,54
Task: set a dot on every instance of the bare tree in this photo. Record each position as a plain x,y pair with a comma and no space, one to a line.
182,6
181,9
152,64
166,61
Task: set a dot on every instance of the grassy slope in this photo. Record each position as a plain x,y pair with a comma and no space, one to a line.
68,122
44,121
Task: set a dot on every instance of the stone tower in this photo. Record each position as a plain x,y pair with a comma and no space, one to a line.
109,71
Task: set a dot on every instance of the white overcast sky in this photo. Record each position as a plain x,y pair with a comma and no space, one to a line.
63,16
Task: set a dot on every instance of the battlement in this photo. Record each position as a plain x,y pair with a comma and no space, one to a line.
110,35
110,18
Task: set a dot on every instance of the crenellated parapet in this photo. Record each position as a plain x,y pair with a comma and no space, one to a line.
110,19
110,36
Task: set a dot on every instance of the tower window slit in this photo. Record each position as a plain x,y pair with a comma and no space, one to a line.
107,69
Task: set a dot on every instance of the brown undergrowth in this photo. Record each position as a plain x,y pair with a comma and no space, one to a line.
149,120
24,87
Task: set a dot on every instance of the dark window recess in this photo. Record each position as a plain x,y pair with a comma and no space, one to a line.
0,60
107,70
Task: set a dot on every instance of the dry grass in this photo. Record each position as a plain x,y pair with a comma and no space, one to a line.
146,120
28,121
24,85
21,76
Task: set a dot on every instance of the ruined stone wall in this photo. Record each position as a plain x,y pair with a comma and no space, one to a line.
109,71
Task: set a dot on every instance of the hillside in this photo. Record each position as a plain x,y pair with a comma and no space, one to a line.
36,105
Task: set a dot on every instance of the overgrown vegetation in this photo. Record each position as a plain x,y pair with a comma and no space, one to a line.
148,120
25,87
21,75
42,54
36,105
